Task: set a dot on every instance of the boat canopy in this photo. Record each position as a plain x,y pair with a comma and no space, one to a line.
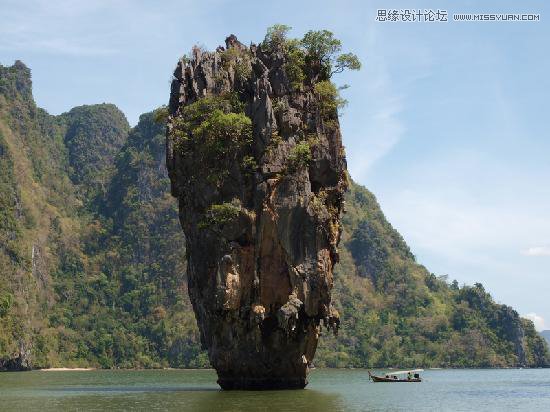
404,372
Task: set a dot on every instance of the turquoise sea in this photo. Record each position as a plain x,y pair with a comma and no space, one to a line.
329,390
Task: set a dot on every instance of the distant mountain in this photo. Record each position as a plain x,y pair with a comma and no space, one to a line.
94,136
93,265
546,335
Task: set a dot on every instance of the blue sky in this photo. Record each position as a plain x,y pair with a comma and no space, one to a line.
447,123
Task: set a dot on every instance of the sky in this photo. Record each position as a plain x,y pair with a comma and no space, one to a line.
448,123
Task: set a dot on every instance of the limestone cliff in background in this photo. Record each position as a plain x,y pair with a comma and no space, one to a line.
261,217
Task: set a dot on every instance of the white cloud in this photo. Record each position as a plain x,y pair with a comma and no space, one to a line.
57,46
454,224
379,101
91,28
537,251
537,320
382,132
381,128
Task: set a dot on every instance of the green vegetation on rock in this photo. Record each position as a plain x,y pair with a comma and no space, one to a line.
212,132
329,99
322,50
315,57
300,156
220,214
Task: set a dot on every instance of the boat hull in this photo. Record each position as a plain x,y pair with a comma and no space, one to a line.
381,379
393,380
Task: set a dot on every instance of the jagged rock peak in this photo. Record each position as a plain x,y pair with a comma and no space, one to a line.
231,41
16,79
257,164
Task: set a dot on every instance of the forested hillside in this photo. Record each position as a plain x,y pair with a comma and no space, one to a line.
92,260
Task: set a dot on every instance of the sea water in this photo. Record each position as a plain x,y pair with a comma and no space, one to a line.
329,390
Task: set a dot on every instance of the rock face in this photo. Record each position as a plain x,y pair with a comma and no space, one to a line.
262,222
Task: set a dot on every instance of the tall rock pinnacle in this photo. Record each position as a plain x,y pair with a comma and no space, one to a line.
256,162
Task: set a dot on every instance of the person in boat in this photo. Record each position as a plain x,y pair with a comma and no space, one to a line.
409,375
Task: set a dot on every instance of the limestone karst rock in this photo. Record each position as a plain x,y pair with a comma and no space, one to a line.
260,203
93,277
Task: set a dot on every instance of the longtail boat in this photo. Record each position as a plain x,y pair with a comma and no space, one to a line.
399,376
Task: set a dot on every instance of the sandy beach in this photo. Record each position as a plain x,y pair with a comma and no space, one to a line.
66,369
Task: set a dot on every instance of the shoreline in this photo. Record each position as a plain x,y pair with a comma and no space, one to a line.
66,369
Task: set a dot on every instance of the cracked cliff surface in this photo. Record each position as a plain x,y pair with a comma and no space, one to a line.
258,167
